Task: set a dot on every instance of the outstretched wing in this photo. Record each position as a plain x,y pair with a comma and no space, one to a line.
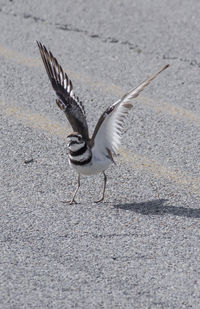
68,102
107,133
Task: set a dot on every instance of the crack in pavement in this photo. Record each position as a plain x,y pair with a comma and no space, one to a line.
110,39
192,62
69,27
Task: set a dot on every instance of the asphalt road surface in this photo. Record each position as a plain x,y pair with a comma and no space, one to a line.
141,247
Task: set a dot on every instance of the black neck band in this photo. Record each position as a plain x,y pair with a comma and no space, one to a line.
81,162
78,152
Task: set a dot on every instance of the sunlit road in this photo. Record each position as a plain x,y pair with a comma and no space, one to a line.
140,248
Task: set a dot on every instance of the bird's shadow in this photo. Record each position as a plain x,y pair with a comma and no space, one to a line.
157,207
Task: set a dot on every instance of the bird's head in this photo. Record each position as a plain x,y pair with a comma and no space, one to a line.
75,141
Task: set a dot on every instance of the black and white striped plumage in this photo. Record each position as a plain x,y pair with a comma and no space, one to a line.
93,155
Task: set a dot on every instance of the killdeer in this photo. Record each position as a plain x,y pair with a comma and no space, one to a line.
87,155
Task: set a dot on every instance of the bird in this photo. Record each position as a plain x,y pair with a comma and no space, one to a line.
89,155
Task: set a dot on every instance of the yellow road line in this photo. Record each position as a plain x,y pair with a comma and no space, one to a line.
35,120
157,106
54,128
191,183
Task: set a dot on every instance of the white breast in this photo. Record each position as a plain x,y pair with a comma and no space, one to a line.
97,165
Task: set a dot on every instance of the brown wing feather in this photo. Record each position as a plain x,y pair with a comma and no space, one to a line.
68,102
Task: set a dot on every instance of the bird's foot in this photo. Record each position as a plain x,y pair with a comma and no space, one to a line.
100,200
70,202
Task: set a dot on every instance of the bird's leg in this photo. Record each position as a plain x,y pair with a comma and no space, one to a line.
104,188
73,198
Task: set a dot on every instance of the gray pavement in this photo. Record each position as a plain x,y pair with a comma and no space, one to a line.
141,247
